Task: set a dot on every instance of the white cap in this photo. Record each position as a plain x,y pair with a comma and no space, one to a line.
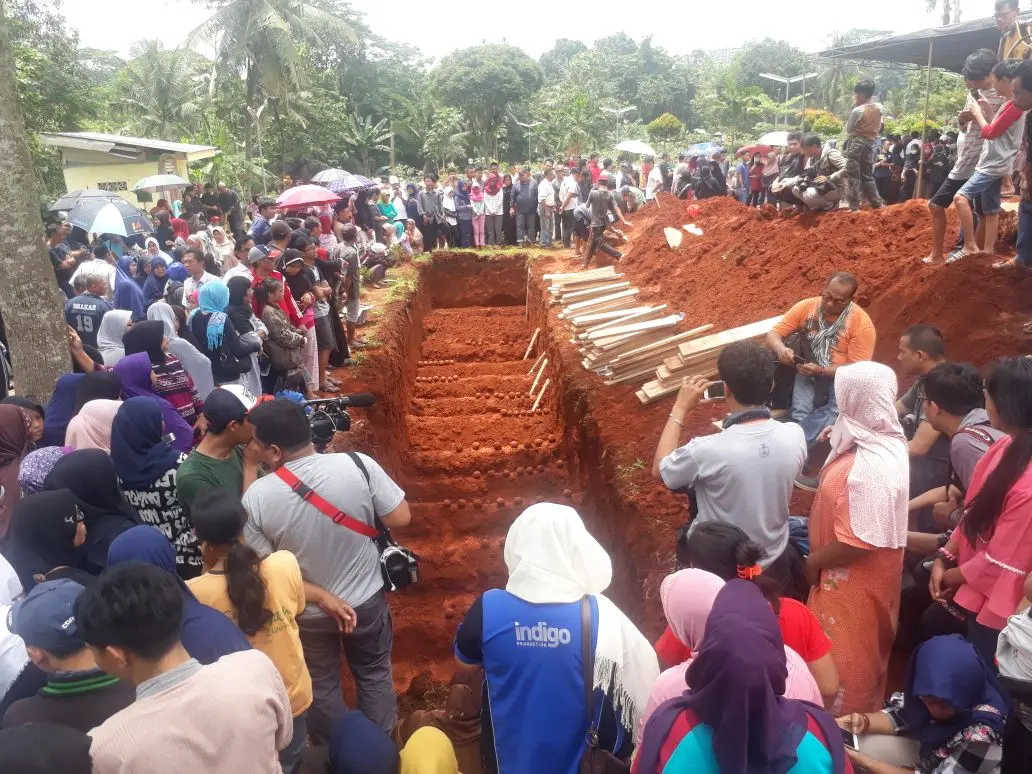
242,394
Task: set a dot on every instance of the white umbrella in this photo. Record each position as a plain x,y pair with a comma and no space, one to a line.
109,220
780,139
637,147
329,175
157,182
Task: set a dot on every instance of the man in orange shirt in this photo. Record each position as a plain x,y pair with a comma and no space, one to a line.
816,336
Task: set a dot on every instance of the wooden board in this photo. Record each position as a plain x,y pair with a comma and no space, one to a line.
653,391
590,320
648,325
673,340
673,237
722,339
570,287
605,271
608,306
626,342
583,305
650,313
581,295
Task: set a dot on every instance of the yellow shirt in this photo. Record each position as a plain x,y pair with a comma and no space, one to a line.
279,640
1012,46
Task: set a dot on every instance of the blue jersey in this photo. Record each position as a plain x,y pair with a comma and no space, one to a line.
535,711
84,314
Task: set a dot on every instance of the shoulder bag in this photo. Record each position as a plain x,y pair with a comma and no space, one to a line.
399,566
595,760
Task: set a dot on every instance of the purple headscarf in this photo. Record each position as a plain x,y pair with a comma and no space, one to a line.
37,464
737,689
135,372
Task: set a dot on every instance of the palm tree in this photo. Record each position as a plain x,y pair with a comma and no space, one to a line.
365,138
265,39
160,91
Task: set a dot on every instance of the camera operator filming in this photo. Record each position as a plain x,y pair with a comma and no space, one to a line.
327,517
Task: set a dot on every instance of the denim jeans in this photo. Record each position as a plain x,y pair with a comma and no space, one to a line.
547,227
290,756
525,227
803,413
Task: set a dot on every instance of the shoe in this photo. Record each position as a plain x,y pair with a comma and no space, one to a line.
806,483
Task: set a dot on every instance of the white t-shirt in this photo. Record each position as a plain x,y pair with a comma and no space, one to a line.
13,656
654,183
99,268
743,476
569,186
546,193
191,287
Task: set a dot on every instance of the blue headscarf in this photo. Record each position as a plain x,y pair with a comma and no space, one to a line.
359,746
949,668
139,454
462,194
208,635
60,409
177,272
128,294
213,298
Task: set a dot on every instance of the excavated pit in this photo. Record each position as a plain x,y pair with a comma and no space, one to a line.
454,426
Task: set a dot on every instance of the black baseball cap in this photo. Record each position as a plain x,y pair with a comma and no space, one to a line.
228,404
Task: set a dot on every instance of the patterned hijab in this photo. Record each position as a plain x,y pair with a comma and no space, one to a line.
14,444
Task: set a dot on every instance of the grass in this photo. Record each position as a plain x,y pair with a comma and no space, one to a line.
402,289
422,259
628,474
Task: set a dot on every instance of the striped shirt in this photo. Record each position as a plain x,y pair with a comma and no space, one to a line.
175,385
969,142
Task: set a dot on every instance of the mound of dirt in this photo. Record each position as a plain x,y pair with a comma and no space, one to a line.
751,264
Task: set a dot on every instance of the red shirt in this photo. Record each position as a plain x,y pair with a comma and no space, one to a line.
595,171
287,304
179,227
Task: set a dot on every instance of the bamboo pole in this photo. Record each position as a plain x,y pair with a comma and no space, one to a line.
536,363
924,123
533,341
541,395
544,365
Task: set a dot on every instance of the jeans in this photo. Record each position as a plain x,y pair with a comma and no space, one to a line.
368,653
545,213
811,419
290,756
860,174
526,227
493,233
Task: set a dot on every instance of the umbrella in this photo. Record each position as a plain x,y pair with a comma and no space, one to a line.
329,175
637,147
780,139
305,196
703,149
763,150
157,182
69,200
101,216
350,182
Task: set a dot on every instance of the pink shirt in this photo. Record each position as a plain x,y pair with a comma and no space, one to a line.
995,571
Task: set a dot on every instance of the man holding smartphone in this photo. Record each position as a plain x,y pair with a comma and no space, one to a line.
743,475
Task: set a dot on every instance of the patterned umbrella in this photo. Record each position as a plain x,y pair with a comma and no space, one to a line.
305,196
329,175
350,183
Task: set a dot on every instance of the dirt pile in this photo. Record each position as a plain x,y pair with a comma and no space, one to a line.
750,264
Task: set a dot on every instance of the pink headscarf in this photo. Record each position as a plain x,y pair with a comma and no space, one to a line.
493,184
687,598
475,194
91,427
879,481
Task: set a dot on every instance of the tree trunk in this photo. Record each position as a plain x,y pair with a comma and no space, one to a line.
251,81
32,304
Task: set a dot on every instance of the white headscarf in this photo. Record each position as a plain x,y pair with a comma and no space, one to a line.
1014,649
109,335
197,365
552,558
879,481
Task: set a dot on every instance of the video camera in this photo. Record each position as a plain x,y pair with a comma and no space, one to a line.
330,416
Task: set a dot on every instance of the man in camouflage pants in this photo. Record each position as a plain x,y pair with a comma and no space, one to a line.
862,127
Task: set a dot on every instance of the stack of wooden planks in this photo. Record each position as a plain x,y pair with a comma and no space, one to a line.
698,358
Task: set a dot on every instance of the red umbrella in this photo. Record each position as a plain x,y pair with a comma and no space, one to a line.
305,196
763,150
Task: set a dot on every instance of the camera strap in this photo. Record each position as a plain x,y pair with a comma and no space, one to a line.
306,493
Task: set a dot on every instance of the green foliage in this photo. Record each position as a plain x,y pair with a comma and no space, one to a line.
554,61
666,127
768,56
366,139
906,124
822,123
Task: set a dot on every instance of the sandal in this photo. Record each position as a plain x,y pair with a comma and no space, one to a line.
929,261
957,255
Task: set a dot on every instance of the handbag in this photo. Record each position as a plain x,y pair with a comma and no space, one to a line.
595,760
399,566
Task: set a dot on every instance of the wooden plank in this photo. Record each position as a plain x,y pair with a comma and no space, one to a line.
589,320
665,374
572,287
648,325
654,391
623,378
655,357
672,340
650,313
580,295
608,306
605,271
722,339
629,294
643,361
674,362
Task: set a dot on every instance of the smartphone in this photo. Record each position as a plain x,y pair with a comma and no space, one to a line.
849,739
714,392
799,359
168,439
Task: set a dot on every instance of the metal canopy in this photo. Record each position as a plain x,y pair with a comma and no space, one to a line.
952,45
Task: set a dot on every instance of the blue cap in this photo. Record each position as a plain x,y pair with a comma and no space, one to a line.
45,617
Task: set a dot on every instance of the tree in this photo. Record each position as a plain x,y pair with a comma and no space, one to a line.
482,82
29,297
158,91
666,127
555,60
732,108
365,139
445,140
768,56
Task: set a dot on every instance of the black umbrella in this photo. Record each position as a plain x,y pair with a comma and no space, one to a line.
109,216
70,199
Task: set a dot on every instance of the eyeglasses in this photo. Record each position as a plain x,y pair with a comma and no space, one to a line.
835,300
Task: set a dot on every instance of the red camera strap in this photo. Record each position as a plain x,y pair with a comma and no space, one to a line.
338,516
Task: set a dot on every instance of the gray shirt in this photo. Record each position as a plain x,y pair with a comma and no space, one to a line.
340,560
429,204
966,449
743,476
525,197
600,202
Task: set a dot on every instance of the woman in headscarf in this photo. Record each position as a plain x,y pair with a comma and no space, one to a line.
14,445
688,597
207,634
216,336
60,409
302,288
387,211
127,294
411,207
493,203
194,363
113,326
143,270
251,330
155,251
48,530
734,718
173,383
536,690
91,427
464,215
358,746
146,468
508,219
138,380
90,476
99,385
154,287
37,415
164,234
36,465
285,344
951,718
858,531
223,248
429,751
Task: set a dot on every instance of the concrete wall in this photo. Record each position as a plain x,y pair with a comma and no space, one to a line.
86,169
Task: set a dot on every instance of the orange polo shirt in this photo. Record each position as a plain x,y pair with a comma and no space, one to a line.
855,343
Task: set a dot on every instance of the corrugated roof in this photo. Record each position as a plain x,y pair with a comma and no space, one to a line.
76,139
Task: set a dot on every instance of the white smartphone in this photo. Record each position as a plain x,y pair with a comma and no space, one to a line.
714,392
849,739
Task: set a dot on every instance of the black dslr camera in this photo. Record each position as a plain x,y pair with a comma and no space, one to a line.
330,416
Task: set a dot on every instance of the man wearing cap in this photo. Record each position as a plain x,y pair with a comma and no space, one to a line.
262,259
77,693
224,458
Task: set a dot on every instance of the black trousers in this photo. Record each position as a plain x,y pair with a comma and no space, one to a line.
429,236
567,226
596,241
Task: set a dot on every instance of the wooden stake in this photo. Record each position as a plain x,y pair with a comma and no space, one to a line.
537,363
541,395
533,341
544,365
